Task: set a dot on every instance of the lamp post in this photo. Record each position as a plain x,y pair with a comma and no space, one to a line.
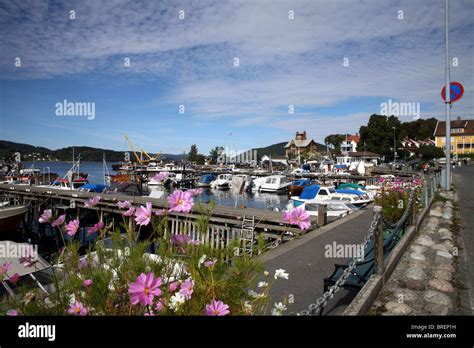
447,183
394,147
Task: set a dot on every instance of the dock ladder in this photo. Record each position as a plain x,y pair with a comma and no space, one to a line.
247,234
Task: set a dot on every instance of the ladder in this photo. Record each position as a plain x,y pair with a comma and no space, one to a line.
247,234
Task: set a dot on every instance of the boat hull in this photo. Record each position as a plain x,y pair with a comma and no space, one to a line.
11,217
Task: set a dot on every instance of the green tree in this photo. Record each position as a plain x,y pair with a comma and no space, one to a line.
378,135
193,153
428,152
215,153
335,140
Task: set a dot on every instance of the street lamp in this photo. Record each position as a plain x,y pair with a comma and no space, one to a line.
394,147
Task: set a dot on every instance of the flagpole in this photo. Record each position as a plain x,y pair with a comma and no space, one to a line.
447,184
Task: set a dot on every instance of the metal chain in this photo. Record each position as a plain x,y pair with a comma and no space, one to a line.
322,301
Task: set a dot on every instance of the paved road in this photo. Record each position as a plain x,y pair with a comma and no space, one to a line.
464,181
305,261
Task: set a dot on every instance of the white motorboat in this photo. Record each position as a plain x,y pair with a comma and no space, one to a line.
257,183
223,181
321,194
275,183
333,208
247,180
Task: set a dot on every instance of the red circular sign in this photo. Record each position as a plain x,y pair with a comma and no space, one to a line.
456,91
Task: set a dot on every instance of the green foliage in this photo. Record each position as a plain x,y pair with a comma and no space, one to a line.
420,129
377,136
428,152
393,203
335,140
193,153
215,153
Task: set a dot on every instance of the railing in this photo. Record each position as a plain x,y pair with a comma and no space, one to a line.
375,232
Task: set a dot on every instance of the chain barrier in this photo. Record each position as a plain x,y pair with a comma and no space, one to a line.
322,301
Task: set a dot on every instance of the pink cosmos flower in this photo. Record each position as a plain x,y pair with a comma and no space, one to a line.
187,288
301,218
72,227
87,282
29,257
195,192
216,308
159,305
161,212
59,221
12,313
173,286
97,227
124,205
288,217
143,215
46,216
5,268
179,239
144,289
180,201
160,176
77,308
129,212
14,278
92,202
83,263
210,263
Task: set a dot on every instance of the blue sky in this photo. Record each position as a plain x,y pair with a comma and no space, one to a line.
190,62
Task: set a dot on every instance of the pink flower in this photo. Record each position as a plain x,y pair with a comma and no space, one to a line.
160,176
288,217
144,289
5,268
180,201
29,257
187,288
124,205
179,239
59,221
87,282
161,212
97,227
71,227
83,263
301,218
210,263
159,305
45,217
195,192
143,215
216,308
92,202
129,212
173,286
77,308
14,278
12,313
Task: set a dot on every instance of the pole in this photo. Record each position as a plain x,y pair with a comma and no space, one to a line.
394,147
447,184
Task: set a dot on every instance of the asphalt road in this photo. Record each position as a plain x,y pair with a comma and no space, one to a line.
464,181
304,259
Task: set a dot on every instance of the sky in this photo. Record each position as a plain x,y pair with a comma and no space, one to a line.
332,62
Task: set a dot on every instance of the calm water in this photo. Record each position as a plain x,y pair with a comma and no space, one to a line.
221,197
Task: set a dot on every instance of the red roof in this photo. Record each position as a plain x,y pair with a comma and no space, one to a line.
354,138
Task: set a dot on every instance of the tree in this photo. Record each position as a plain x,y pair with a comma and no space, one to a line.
215,153
378,135
335,140
193,153
428,152
420,129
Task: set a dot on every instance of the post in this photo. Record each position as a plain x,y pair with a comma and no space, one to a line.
447,183
413,213
378,241
322,215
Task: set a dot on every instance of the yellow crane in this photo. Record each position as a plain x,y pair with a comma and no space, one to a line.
140,158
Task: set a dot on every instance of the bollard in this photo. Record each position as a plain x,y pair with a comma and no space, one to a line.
378,241
413,215
322,215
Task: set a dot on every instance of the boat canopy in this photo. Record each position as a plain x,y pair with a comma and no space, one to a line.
207,178
301,182
98,188
351,186
351,192
310,192
340,166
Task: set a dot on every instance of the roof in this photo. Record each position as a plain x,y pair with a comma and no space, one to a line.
467,125
354,138
299,143
363,154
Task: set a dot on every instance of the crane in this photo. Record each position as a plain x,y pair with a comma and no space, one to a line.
140,158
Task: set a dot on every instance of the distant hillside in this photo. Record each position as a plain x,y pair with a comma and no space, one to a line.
92,154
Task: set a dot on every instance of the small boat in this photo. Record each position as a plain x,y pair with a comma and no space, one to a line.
275,183
357,187
321,194
206,180
11,215
223,181
296,187
97,188
333,208
247,180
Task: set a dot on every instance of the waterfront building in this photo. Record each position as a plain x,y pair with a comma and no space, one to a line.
301,145
462,136
350,143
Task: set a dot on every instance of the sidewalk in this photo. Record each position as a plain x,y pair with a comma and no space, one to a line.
307,265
